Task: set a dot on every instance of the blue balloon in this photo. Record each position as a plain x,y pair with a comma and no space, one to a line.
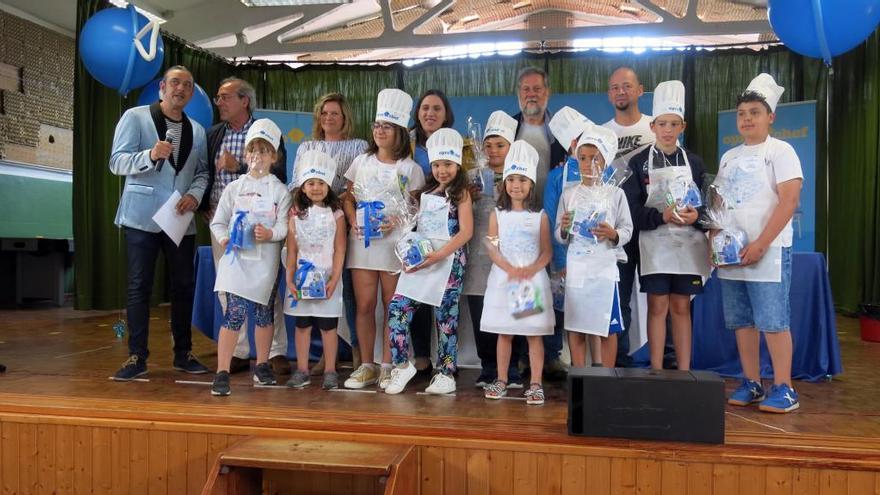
199,107
823,28
107,48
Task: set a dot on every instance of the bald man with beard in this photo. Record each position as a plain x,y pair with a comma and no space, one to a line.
634,134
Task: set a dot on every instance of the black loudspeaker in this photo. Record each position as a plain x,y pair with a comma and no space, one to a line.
672,405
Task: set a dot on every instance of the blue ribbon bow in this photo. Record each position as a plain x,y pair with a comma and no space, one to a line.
299,277
236,236
371,210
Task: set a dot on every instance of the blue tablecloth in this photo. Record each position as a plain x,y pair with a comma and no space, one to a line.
208,315
813,326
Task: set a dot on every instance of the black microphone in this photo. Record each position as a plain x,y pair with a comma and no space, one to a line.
169,138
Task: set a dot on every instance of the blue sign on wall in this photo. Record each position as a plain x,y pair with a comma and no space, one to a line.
795,124
295,127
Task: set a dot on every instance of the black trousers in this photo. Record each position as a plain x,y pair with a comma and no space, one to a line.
143,250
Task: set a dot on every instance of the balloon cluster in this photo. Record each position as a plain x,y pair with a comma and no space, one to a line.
122,50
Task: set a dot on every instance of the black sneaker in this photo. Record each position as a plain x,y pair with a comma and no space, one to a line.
220,386
263,375
133,368
514,379
189,364
425,372
487,377
238,365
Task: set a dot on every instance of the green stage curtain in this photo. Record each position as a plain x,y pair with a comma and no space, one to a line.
854,237
99,262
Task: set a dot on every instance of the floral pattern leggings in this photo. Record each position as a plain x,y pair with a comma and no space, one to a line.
402,308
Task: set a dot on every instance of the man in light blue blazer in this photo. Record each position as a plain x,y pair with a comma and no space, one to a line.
159,150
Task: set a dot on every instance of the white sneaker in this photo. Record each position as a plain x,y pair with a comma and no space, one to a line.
384,377
400,376
441,384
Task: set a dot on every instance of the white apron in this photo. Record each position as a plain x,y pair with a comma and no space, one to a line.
429,284
591,275
520,239
382,181
315,236
753,200
251,273
478,262
670,248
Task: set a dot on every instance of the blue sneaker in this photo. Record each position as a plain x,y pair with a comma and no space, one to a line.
748,392
782,399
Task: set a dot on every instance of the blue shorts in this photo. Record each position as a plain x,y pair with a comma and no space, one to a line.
763,305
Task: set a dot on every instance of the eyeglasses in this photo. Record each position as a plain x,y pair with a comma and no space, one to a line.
177,82
225,97
383,126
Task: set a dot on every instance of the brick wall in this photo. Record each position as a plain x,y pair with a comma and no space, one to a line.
36,114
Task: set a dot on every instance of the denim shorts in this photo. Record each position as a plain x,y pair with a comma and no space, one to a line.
763,305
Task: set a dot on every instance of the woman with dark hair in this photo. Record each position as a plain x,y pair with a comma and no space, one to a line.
332,134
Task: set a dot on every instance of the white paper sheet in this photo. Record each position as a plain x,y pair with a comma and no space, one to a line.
170,221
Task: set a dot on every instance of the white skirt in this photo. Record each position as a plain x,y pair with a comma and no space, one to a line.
496,311
379,256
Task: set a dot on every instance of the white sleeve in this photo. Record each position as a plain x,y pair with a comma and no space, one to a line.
623,220
416,177
785,162
351,173
223,213
279,230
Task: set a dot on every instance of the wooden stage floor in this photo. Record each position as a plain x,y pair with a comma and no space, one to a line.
65,357
59,361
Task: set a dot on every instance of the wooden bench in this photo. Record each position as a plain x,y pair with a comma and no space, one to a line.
380,468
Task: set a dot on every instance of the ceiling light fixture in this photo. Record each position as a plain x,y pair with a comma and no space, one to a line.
629,8
521,5
470,18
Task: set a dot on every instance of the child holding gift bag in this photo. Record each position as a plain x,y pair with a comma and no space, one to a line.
379,183
446,220
518,283
315,255
595,222
250,223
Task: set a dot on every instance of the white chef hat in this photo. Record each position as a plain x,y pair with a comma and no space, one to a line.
315,164
445,144
602,138
567,124
766,86
501,124
669,98
264,129
394,106
522,159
